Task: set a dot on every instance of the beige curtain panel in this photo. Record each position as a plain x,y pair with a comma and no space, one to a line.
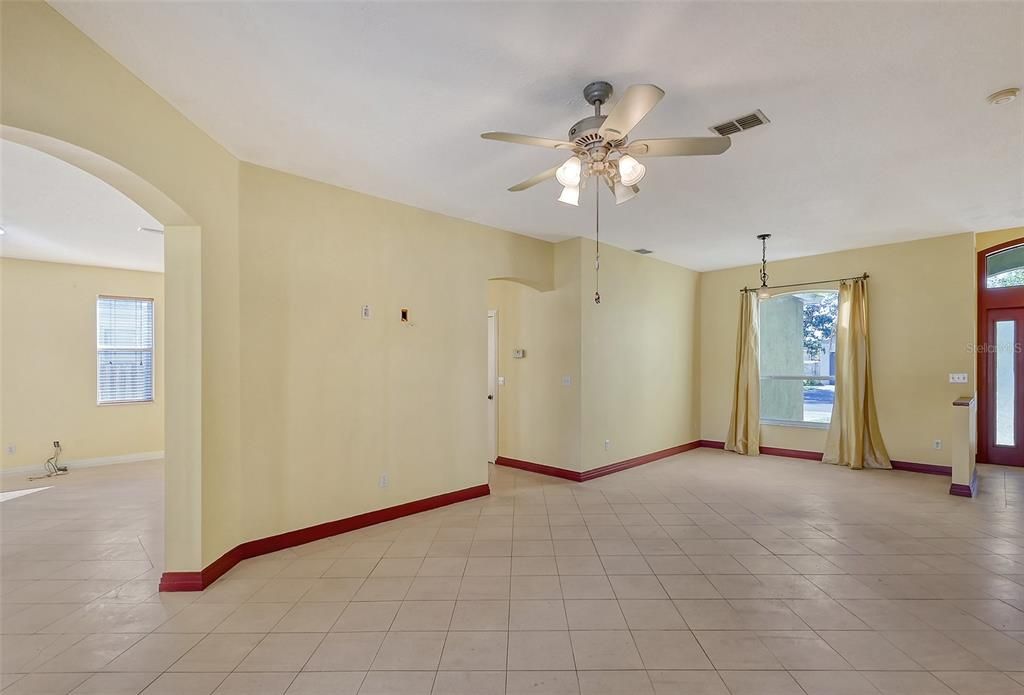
745,423
854,438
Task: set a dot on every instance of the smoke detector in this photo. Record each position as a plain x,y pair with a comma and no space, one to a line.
1003,96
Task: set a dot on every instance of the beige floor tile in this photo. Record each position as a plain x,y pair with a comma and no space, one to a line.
604,650
426,588
799,650
542,682
367,616
594,614
906,683
442,567
979,683
397,567
203,617
636,586
483,588
935,651
333,589
310,617
488,567
868,651
585,586
688,682
115,684
834,683
185,684
282,652
255,684
474,651
615,683
688,586
91,653
647,614
761,683
283,590
350,567
397,683
540,651
254,617
480,615
383,589
217,653
535,587
825,614
409,651
46,684
670,650
154,652
345,651
469,683
418,616
736,650
541,614
326,683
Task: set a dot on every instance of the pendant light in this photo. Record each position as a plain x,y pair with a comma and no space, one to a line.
763,292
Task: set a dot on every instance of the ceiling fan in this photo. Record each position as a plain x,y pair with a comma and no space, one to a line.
600,147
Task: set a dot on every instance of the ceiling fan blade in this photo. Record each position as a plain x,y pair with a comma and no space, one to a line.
636,103
678,147
517,139
534,180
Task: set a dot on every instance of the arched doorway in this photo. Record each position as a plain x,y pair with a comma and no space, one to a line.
1000,354
182,332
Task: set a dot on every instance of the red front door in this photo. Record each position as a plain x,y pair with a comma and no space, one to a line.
1004,387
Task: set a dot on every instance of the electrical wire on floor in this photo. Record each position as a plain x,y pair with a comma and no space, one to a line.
52,466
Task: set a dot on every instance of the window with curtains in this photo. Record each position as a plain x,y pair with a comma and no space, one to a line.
124,350
798,357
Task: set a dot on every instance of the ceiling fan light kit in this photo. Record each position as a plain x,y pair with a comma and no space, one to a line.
601,148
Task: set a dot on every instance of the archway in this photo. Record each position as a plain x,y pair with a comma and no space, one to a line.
181,332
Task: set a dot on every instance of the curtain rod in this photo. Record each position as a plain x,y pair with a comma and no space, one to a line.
865,276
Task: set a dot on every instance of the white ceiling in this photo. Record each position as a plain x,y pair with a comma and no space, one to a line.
880,130
53,211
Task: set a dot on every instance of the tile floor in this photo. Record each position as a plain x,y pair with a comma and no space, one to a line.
704,574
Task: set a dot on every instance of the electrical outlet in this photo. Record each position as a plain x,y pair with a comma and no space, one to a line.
11,448
607,444
957,378
56,444
937,444
567,380
383,482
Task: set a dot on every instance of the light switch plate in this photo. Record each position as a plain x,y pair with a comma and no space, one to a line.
501,381
958,378
366,312
567,380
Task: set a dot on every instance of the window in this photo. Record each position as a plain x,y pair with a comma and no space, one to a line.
798,357
124,350
1005,268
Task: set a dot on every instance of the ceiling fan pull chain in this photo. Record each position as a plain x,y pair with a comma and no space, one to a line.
597,244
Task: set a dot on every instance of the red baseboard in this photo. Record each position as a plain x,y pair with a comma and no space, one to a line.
929,468
197,581
583,476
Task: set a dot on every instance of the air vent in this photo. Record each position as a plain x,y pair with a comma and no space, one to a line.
643,252
751,120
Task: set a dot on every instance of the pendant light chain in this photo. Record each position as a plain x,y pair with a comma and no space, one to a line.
597,243
764,258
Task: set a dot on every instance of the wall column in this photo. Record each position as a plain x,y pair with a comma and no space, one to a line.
183,400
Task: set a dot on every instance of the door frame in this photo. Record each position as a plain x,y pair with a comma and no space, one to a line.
988,299
492,386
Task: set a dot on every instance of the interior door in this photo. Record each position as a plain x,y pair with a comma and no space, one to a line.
1005,386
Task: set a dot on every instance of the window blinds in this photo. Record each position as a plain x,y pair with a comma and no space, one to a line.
124,350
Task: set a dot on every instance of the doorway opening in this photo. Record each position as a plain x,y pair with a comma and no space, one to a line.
492,385
1000,354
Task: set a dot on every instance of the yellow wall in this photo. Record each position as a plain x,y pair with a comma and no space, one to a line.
922,309
331,401
538,415
59,83
640,356
986,240
48,331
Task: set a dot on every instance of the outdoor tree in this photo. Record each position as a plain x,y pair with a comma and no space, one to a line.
820,323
